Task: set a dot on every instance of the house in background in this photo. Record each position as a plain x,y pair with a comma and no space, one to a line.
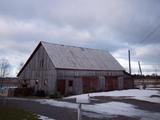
149,81
8,82
72,70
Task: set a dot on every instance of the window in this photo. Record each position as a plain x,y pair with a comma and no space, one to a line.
70,83
42,63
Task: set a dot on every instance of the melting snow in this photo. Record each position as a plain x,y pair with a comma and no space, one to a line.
144,95
58,103
41,117
119,108
111,109
107,109
118,93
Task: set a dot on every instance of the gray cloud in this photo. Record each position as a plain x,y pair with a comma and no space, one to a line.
111,25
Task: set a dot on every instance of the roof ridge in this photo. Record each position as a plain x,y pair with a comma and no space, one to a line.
102,50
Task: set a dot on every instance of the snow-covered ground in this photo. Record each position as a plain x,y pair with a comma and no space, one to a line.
120,108
148,99
119,93
41,117
143,95
58,103
110,109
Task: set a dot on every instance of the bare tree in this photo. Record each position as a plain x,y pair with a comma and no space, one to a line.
20,67
4,68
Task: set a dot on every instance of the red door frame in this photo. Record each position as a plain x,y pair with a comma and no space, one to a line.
61,86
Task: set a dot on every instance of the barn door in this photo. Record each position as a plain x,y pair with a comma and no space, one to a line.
61,86
90,84
111,83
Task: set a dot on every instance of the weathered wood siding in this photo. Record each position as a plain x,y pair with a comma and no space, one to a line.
128,81
77,76
120,83
34,70
80,73
75,89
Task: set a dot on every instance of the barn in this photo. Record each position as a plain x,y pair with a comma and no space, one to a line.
71,70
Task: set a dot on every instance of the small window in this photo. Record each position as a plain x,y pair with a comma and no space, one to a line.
70,83
42,63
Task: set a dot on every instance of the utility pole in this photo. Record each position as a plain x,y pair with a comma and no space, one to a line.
140,67
129,59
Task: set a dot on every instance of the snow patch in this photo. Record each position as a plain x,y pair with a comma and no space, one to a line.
143,95
119,108
120,93
41,117
107,109
58,103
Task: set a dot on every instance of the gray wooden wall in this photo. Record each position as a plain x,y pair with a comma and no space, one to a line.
79,73
76,76
34,71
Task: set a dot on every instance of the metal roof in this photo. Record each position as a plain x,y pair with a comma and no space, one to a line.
70,57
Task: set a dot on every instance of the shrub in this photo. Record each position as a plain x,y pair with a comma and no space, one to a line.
55,95
40,93
23,92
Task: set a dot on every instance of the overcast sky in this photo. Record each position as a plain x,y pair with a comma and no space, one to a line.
112,25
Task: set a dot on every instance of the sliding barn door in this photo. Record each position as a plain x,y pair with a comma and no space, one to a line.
90,84
111,83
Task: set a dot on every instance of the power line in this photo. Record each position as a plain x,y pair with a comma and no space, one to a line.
146,37
150,34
